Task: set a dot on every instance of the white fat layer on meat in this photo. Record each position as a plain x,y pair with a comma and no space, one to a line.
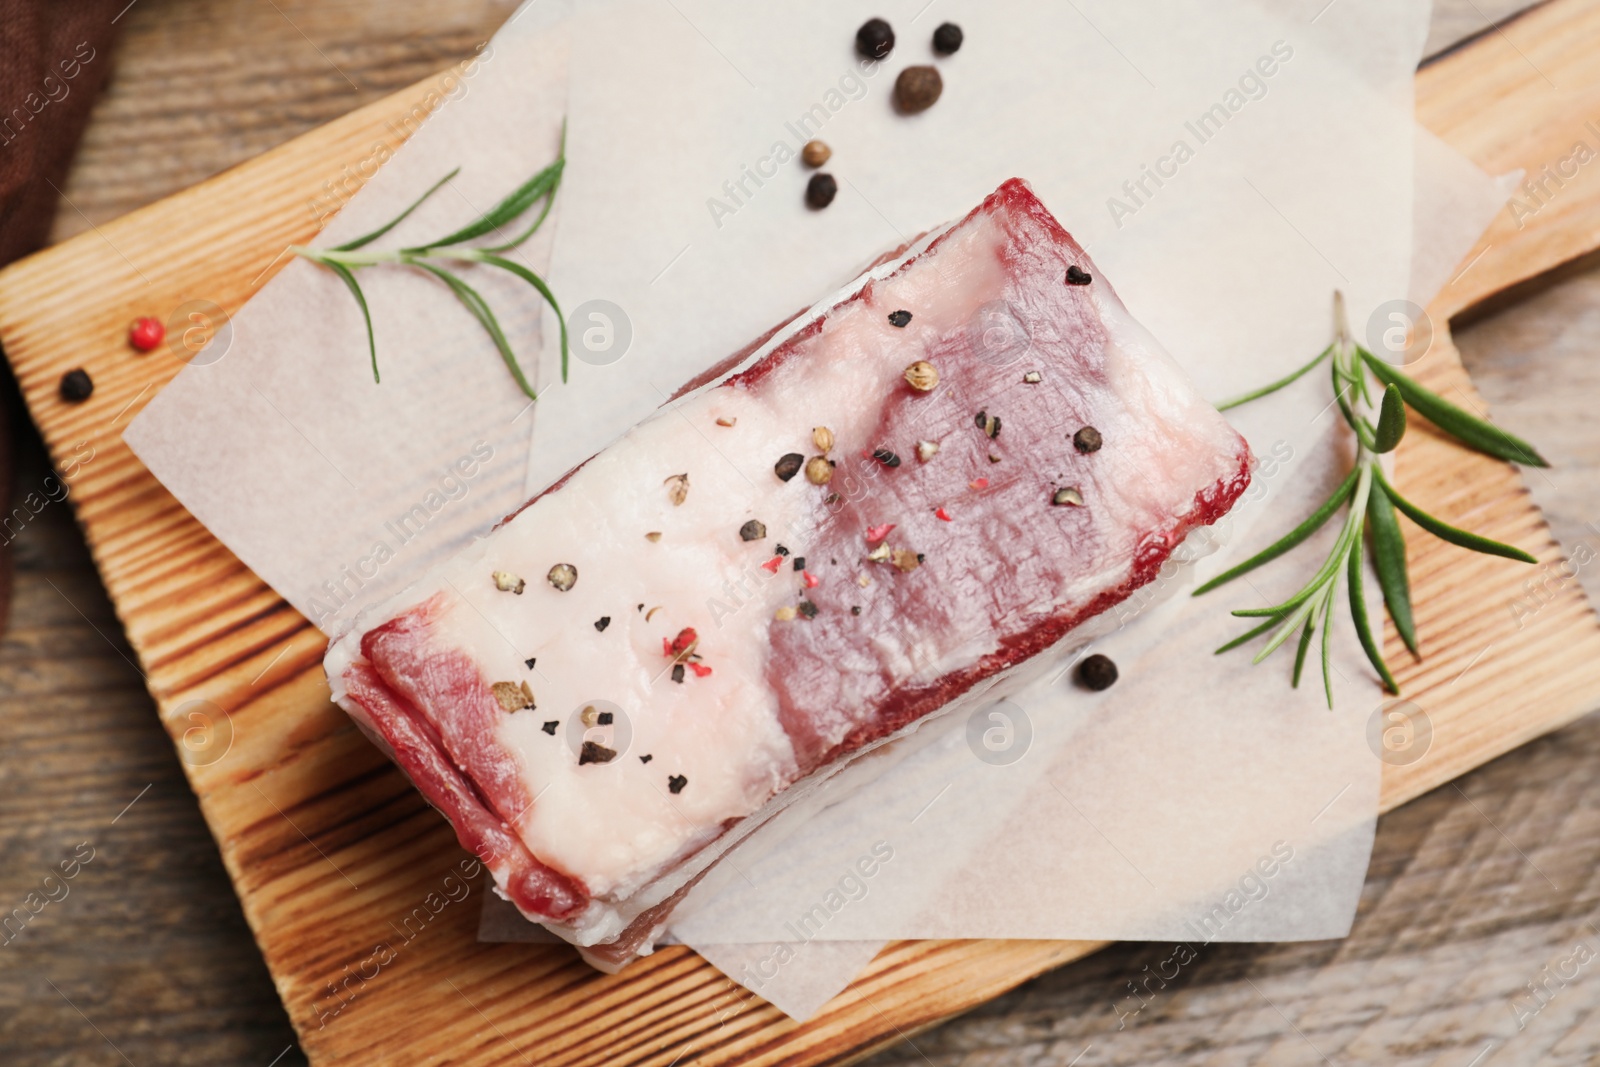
1181,436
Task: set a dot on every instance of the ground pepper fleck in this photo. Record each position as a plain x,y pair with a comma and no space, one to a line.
676,783
646,758
900,319
602,622
594,752
551,727
799,563
1078,276
677,673
752,531
886,457
788,466
530,661
807,609
605,718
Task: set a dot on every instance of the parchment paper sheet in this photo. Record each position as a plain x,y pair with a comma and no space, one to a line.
1133,814
336,490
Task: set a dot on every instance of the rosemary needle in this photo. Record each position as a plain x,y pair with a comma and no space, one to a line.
1370,503
344,260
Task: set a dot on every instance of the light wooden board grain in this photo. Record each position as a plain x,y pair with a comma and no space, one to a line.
306,813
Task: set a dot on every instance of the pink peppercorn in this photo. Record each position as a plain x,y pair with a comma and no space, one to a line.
146,334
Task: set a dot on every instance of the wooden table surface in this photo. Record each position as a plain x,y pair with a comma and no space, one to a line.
1479,893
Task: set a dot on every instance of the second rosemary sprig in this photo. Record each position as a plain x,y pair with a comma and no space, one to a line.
1378,421
442,257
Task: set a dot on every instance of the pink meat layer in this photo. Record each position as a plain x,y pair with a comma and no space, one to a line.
453,756
993,549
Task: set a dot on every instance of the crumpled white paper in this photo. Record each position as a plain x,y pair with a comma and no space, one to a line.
1196,783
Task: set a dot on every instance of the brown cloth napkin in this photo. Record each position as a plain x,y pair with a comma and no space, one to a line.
55,57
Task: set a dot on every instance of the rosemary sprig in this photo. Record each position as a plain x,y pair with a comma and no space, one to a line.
344,260
1370,502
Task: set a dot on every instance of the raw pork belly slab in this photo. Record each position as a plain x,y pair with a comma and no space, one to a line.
650,660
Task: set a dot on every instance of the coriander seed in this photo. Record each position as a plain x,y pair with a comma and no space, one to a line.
900,319
507,582
1068,497
922,376
818,470
563,576
677,489
822,437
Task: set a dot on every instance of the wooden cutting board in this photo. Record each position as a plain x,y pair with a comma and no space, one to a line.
333,854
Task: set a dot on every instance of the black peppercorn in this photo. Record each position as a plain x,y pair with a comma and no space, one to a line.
1087,440
875,39
1097,672
1078,276
821,190
947,39
76,386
